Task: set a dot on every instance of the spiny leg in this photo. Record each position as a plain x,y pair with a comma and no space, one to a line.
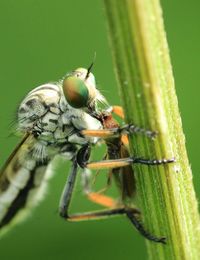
138,225
97,198
118,110
94,215
129,212
126,129
103,200
117,163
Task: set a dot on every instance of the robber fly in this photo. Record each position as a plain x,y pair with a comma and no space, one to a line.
65,118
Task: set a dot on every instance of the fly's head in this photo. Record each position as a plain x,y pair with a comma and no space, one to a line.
79,88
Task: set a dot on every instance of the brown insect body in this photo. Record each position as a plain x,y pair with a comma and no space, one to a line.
116,149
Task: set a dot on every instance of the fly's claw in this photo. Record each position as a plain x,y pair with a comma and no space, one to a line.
161,240
139,226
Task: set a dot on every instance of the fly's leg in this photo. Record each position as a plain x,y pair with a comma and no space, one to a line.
117,163
139,226
100,214
68,190
95,197
111,132
131,213
126,129
87,182
103,200
99,199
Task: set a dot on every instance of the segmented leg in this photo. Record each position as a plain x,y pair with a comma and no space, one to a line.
100,199
138,225
97,198
68,190
111,132
117,163
103,200
100,214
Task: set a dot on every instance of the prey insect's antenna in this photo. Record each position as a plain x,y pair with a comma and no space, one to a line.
90,67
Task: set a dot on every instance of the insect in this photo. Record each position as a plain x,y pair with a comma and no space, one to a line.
65,118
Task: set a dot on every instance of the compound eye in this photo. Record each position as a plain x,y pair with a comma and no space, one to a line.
76,92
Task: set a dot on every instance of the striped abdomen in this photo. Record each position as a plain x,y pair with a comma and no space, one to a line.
20,181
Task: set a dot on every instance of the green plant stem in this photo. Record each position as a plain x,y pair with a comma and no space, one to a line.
143,70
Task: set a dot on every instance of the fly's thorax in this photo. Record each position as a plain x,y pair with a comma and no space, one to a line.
66,127
81,120
43,100
41,113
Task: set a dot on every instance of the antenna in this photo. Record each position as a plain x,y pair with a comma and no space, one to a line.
90,67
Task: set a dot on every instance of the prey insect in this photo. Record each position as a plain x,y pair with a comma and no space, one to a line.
65,119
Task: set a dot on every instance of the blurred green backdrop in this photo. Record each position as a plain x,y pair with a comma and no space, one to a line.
40,42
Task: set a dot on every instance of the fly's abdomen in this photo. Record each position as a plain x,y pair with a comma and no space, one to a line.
21,183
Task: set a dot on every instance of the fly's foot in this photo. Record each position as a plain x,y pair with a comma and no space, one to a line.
139,226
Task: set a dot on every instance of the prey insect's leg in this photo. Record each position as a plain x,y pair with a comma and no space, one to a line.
101,199
117,110
107,164
126,129
96,197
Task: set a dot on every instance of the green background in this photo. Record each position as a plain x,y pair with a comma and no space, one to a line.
42,40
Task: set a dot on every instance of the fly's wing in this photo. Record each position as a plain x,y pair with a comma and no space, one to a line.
124,176
20,182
